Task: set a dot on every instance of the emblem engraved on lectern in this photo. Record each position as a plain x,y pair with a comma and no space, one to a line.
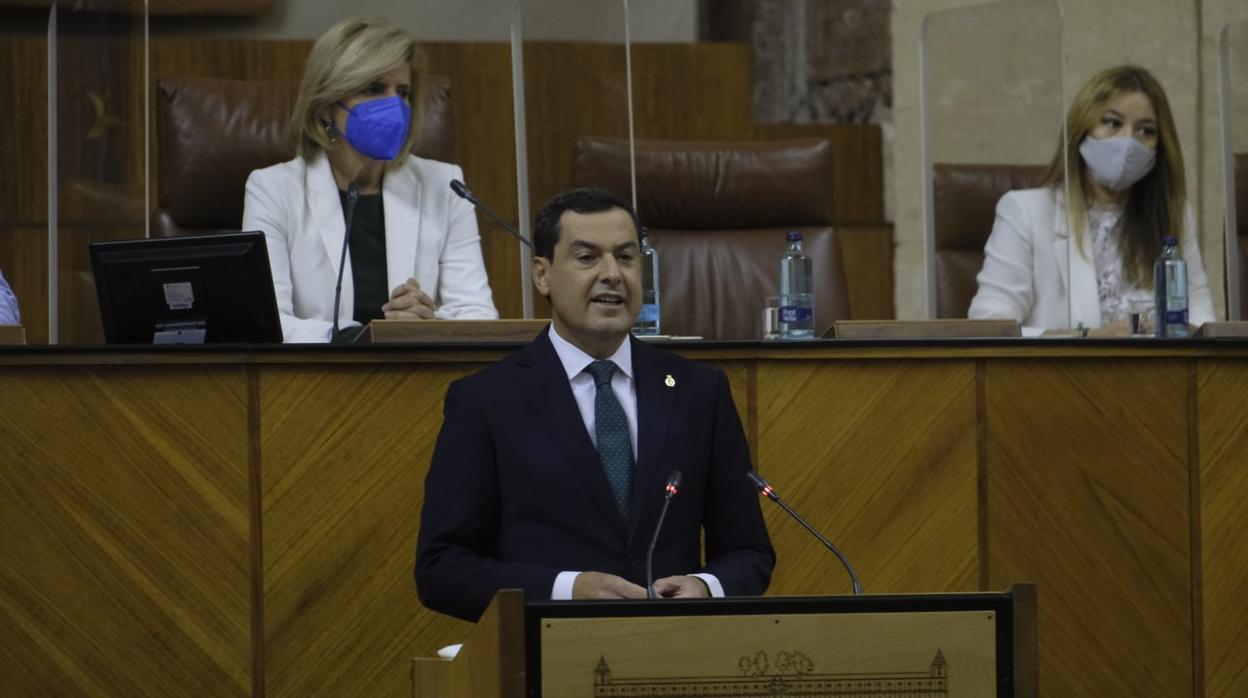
786,672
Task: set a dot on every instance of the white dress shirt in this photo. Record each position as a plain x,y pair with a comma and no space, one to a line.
574,363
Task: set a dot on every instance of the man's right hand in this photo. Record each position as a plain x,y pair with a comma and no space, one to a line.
598,585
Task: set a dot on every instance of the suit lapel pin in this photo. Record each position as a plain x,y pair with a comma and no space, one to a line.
669,381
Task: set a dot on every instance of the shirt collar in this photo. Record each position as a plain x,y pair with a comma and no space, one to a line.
575,361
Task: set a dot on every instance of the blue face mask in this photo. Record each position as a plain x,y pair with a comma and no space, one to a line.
378,128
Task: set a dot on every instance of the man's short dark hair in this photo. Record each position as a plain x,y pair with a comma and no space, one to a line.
583,200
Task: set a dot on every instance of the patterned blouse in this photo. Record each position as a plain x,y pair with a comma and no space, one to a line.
1116,293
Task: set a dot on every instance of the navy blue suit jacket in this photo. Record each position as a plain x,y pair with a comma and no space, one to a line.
516,492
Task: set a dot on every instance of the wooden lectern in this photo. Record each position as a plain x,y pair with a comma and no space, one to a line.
966,645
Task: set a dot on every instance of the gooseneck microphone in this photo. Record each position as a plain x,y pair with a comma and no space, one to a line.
353,195
669,491
466,194
767,491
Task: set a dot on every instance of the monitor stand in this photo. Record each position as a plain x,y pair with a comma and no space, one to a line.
192,332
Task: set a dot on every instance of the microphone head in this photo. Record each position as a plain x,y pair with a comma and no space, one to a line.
463,191
673,483
760,484
756,479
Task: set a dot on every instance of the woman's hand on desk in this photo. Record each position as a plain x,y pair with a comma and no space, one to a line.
408,302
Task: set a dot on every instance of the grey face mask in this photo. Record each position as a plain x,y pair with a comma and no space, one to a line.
1117,163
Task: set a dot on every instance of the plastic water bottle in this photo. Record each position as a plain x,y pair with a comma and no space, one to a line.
1170,286
797,292
648,321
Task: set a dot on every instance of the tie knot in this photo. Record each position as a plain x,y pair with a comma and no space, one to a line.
602,372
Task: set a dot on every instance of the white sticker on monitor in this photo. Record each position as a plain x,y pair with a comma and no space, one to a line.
179,296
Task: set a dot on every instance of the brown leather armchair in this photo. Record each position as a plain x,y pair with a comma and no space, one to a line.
210,135
964,204
717,214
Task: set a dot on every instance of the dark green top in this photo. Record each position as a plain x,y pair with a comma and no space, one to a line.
368,255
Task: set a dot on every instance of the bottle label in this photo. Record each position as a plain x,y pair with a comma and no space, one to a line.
649,313
795,313
1176,317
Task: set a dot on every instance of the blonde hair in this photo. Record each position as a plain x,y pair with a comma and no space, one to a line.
1155,204
343,61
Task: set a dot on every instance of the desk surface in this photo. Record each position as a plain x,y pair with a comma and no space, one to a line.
485,352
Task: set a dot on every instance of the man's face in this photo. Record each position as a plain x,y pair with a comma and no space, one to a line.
594,281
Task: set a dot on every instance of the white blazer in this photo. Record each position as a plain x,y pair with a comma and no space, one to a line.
1025,275
431,235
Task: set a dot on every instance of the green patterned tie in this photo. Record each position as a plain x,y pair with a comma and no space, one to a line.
615,448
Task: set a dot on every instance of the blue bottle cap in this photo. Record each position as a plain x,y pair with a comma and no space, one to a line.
794,236
1169,241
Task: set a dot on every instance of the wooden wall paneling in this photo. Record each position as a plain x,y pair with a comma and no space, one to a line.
692,91
1088,494
24,181
1223,490
741,375
485,146
867,254
24,140
342,486
101,152
124,511
880,457
24,261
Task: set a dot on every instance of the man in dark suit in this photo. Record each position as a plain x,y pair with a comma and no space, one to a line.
549,471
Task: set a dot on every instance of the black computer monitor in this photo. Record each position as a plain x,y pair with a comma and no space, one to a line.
186,290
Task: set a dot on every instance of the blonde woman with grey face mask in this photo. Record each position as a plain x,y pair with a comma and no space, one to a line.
1076,252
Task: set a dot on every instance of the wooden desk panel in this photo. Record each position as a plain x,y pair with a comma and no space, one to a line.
124,511
1088,495
881,458
936,466
345,451
1222,417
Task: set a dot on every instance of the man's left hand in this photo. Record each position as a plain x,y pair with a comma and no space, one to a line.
408,302
681,587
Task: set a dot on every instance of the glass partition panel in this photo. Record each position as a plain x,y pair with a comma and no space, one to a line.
760,120
1127,162
97,134
572,61
1234,79
992,118
24,179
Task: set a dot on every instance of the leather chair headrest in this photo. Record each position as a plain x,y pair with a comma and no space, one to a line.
964,199
716,185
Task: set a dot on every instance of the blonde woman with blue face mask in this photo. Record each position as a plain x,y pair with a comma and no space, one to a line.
413,250
1077,253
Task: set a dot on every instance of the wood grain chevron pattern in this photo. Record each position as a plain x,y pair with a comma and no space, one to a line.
123,511
345,453
1222,387
1088,495
740,376
881,457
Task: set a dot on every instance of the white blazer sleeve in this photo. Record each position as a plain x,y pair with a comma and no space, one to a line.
1199,301
463,287
266,208
1006,283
